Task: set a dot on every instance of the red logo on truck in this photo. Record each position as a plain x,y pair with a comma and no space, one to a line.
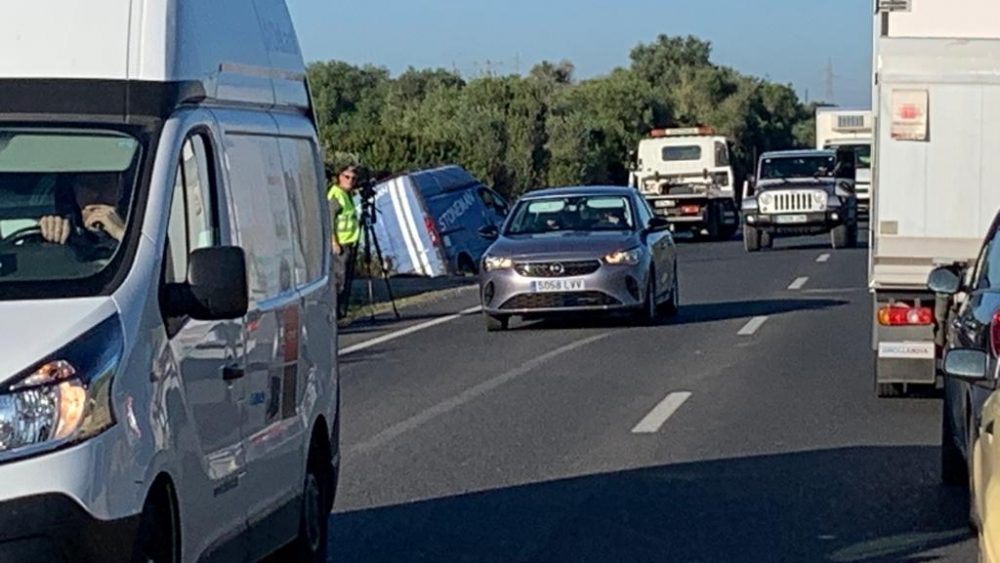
909,111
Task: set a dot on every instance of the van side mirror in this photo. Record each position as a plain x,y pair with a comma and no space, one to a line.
944,281
489,232
216,288
966,364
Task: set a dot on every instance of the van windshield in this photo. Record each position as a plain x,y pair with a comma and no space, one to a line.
65,196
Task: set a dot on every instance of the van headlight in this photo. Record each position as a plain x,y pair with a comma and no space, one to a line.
624,257
494,263
64,399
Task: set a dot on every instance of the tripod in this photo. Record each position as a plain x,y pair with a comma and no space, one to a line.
369,240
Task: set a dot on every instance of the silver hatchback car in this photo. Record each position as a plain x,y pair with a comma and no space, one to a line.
576,250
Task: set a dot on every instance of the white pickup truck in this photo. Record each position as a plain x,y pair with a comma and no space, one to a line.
937,136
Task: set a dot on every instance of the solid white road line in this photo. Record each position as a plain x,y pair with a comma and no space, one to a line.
799,283
823,258
653,421
407,331
464,397
752,327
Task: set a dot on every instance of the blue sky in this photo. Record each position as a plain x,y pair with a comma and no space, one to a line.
788,41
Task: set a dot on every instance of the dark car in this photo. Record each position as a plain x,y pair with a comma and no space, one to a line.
579,250
971,323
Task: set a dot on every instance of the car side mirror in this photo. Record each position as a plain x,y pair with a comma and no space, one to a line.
966,364
216,288
489,232
944,281
657,224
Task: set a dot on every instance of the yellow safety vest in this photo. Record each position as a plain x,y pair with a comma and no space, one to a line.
347,226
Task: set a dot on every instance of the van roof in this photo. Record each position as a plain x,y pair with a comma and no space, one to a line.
148,56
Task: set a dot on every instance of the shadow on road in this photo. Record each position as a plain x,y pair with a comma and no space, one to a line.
691,314
789,244
712,312
855,504
366,325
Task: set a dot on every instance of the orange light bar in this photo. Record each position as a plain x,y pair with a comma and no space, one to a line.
682,132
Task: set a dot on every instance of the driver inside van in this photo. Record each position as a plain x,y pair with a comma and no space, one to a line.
96,196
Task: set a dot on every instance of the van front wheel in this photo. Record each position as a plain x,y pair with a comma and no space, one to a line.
311,545
157,540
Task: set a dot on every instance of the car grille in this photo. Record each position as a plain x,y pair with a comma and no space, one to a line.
799,201
560,300
556,269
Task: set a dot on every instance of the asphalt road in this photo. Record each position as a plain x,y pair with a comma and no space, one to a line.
746,429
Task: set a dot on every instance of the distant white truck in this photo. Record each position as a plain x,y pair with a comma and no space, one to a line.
838,128
937,136
686,176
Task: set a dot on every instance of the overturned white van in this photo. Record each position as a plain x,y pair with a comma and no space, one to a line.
168,387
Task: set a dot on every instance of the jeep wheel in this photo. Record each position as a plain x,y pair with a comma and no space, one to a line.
751,239
839,236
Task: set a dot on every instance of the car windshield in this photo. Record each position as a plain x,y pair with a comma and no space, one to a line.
778,168
64,201
574,213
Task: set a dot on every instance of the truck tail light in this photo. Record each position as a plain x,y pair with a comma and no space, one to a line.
995,334
904,315
432,230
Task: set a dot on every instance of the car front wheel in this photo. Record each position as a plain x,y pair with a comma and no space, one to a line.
497,323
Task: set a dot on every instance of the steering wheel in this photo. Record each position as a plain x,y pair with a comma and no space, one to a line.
20,236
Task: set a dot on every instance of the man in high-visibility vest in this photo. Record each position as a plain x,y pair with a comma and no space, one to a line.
346,225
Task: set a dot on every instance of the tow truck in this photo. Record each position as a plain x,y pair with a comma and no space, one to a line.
686,176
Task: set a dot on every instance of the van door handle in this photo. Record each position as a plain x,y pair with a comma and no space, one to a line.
232,372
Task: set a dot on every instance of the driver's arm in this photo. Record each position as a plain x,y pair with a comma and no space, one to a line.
55,229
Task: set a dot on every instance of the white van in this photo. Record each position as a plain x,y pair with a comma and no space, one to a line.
168,382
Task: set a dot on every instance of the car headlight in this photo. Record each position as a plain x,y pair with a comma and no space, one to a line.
624,257
766,199
494,263
819,200
64,399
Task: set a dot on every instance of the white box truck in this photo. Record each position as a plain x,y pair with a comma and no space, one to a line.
838,128
936,96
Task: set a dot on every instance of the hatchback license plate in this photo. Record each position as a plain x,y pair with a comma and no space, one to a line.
550,286
791,219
